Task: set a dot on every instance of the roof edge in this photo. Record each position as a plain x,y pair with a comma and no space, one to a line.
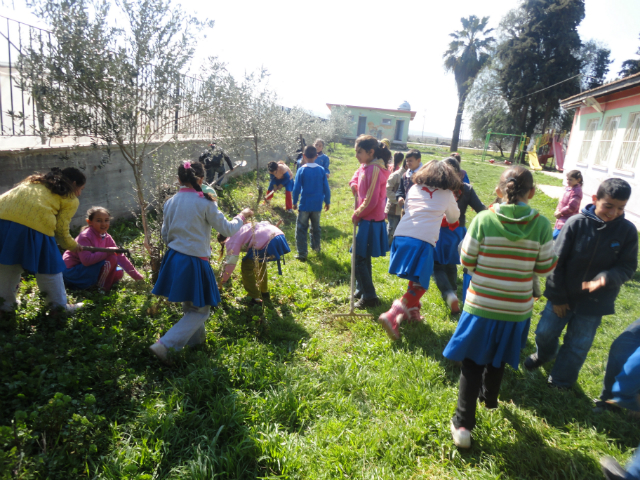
412,112
612,87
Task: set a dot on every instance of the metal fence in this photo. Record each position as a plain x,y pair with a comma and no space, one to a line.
444,141
19,113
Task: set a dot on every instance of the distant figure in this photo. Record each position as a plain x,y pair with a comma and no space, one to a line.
392,209
456,156
299,152
414,163
213,163
569,204
322,159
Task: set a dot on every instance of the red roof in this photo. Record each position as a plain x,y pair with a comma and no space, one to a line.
413,114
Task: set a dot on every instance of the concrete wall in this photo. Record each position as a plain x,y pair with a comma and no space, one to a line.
108,184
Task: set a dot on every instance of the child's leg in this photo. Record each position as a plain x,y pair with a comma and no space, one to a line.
440,275
288,200
9,283
491,380
415,291
200,336
109,273
315,230
52,285
267,197
363,275
452,275
470,384
621,349
263,278
302,225
249,281
548,332
182,332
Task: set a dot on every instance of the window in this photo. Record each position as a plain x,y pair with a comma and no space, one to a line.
583,156
631,144
606,141
386,121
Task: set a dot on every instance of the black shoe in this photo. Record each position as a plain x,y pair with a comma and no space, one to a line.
249,301
371,302
601,406
357,295
302,259
558,387
532,362
612,469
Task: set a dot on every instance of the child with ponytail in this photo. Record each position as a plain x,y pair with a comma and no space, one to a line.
369,216
185,274
33,215
412,252
503,248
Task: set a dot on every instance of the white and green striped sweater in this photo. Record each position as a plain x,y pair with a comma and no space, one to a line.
503,248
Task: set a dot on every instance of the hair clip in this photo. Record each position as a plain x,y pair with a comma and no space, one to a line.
186,164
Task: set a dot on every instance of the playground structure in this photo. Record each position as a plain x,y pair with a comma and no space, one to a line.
546,148
521,144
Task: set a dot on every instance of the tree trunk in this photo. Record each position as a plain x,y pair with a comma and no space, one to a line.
455,138
154,252
521,125
258,184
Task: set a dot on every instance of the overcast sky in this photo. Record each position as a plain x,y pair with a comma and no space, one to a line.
375,54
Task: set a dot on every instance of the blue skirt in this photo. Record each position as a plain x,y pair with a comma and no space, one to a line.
371,239
82,277
276,248
35,251
412,259
466,281
447,245
184,278
487,341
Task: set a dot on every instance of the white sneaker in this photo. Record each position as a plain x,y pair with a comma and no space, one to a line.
160,351
453,303
73,307
461,436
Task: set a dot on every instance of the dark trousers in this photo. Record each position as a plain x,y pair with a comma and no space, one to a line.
211,174
446,277
476,381
364,278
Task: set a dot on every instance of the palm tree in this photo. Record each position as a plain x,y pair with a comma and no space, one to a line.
466,55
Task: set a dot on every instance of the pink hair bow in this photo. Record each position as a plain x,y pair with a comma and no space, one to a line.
201,195
186,164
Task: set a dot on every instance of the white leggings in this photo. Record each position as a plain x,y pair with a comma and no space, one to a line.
51,285
190,328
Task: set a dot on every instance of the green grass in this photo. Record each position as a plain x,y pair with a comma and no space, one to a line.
291,393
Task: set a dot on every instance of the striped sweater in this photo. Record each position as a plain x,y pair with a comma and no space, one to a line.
503,248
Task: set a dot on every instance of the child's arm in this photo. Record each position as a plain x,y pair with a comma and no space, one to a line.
391,189
353,183
89,258
546,260
272,182
471,245
327,193
622,270
475,202
219,222
400,192
452,211
68,208
371,183
572,206
234,246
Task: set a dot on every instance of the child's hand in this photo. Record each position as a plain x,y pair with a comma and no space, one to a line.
561,310
354,189
594,285
401,201
326,207
557,214
247,213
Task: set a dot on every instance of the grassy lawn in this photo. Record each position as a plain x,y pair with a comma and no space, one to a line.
291,393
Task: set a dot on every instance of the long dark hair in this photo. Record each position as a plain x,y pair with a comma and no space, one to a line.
438,174
515,183
61,182
191,174
367,142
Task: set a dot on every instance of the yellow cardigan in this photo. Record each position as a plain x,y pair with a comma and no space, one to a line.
35,206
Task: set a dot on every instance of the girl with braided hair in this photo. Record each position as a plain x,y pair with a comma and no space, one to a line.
503,248
33,215
185,274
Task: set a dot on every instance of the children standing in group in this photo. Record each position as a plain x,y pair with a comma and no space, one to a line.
312,188
598,252
413,163
33,215
186,275
86,269
371,238
393,210
447,258
569,204
415,239
503,247
280,176
264,243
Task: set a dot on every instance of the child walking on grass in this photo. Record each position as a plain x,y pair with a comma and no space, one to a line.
569,204
33,215
86,269
185,274
503,248
412,251
263,243
371,238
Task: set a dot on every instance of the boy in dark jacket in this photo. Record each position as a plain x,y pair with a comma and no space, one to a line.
414,163
597,252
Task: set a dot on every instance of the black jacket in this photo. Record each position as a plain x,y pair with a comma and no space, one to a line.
212,159
468,198
589,248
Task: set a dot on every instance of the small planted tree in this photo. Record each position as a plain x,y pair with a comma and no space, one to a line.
119,83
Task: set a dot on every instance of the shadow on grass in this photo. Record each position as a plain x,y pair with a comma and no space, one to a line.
327,269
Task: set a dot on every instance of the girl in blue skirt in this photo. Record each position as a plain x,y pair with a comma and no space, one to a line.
185,274
33,215
414,242
503,248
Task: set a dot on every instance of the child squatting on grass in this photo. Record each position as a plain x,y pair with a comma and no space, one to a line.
597,252
569,204
414,242
185,274
86,269
265,243
369,216
33,215
504,246
280,176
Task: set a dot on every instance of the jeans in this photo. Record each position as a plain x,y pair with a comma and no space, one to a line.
211,174
476,381
51,285
623,363
446,277
364,278
581,330
393,220
302,226
190,328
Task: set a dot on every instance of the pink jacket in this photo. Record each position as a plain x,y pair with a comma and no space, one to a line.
569,205
90,238
372,192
